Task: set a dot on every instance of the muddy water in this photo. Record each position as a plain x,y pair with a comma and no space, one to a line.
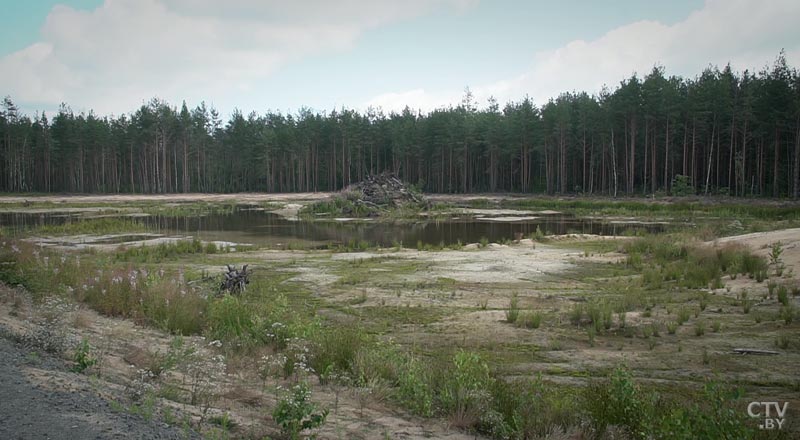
259,227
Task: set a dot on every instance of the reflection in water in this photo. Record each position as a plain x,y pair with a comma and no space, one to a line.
260,227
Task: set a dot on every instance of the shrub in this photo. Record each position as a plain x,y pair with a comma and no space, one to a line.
83,357
618,401
336,348
297,413
682,186
532,409
233,321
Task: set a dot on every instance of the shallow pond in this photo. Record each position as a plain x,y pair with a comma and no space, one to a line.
260,227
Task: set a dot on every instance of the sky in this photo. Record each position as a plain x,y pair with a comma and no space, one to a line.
111,56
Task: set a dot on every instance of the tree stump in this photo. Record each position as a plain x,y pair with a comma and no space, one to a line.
235,281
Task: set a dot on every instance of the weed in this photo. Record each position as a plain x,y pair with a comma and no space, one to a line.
591,332
683,315
783,295
83,357
672,327
415,388
296,412
699,328
783,341
786,313
463,396
530,320
703,301
716,326
512,314
771,287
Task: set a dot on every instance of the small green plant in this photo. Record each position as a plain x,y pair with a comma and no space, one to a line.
771,288
746,306
782,341
783,295
297,413
484,242
775,256
83,357
706,357
538,235
672,327
716,326
512,314
621,316
682,186
530,320
699,328
683,315
591,332
703,302
576,313
786,314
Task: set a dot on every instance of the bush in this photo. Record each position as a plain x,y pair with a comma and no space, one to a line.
336,348
532,409
618,401
297,413
464,395
682,186
234,322
415,388
83,357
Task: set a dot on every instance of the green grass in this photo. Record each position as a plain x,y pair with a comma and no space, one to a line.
165,251
90,226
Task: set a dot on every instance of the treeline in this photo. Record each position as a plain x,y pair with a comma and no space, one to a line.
728,132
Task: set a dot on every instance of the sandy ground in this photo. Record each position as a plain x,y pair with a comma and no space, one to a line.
123,348
761,243
495,264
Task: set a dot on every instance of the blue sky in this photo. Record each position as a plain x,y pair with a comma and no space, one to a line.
112,55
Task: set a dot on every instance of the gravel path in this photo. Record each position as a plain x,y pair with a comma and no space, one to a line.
28,411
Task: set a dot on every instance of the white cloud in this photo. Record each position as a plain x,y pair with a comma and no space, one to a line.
746,33
113,57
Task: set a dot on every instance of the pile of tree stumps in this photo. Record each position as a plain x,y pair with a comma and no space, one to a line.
235,281
382,191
